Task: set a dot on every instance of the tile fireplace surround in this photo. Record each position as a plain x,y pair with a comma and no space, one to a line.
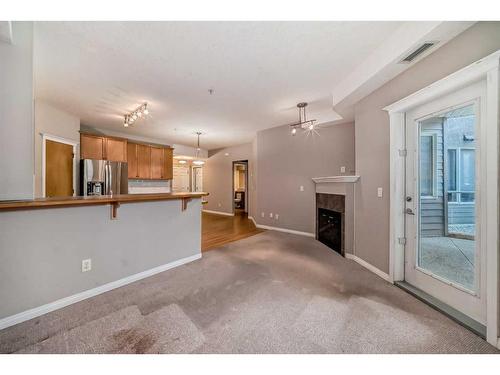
336,193
336,203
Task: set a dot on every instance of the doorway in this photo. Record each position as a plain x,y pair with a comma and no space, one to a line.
240,187
197,179
415,177
443,255
58,167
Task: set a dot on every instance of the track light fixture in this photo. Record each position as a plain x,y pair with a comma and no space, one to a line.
140,112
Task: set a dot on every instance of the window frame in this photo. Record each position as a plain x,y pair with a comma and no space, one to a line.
458,177
433,134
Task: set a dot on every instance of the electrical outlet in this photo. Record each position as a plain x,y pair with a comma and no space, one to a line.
379,192
262,214
301,188
342,169
271,215
86,265
276,216
220,204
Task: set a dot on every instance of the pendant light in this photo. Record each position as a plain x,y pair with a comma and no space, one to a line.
197,160
303,123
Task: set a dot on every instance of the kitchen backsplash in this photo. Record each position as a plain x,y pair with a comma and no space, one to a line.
148,186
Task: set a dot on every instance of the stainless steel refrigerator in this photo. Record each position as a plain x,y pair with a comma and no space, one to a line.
103,177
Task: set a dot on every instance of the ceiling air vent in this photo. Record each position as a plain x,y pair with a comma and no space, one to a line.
418,51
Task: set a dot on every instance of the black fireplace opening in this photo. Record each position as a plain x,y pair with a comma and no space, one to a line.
330,229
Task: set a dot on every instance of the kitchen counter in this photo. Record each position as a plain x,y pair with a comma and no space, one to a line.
44,242
94,200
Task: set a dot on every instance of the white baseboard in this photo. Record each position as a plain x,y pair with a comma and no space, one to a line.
63,302
219,212
307,234
368,266
254,222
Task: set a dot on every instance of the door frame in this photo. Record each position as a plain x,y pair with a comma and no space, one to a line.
247,198
485,69
49,137
193,174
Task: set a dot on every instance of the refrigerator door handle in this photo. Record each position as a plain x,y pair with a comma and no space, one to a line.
110,177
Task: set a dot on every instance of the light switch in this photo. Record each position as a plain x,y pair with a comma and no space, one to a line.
342,169
379,192
301,187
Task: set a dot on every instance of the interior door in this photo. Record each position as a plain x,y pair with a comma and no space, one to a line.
58,169
443,254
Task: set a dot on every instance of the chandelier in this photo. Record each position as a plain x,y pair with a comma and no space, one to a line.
197,160
140,112
303,123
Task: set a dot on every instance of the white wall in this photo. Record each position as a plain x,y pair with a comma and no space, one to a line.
16,114
53,121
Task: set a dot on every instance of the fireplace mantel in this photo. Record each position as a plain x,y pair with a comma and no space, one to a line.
332,179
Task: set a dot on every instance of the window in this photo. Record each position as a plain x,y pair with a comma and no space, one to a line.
461,175
428,186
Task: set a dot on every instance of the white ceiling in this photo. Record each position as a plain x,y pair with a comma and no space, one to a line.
259,71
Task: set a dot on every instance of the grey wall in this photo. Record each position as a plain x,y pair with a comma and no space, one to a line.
284,163
372,134
218,177
16,114
53,121
41,250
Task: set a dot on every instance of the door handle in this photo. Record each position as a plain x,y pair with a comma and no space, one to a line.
409,211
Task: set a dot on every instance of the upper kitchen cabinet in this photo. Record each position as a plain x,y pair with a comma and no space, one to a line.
116,149
103,148
157,163
149,162
132,160
143,162
91,147
168,163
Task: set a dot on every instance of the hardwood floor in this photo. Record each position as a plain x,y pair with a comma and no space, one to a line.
217,230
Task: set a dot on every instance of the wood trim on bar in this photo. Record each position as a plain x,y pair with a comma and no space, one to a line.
94,200
185,202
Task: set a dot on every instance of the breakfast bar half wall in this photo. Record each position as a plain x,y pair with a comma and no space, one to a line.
44,243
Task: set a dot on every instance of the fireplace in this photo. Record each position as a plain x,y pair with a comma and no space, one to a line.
330,209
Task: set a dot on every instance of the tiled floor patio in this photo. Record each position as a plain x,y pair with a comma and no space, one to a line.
450,258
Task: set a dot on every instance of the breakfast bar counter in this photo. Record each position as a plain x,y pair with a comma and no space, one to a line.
95,200
58,251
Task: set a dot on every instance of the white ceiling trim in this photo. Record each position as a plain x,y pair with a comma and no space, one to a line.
383,64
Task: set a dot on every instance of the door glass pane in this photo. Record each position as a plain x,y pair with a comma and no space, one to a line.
447,216
452,169
426,166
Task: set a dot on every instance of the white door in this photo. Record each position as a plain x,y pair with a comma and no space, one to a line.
197,179
180,181
443,253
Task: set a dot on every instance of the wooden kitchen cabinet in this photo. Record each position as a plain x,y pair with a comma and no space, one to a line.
91,147
115,149
103,148
132,160
144,162
168,164
157,163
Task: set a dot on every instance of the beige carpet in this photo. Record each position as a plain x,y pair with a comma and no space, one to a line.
270,293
